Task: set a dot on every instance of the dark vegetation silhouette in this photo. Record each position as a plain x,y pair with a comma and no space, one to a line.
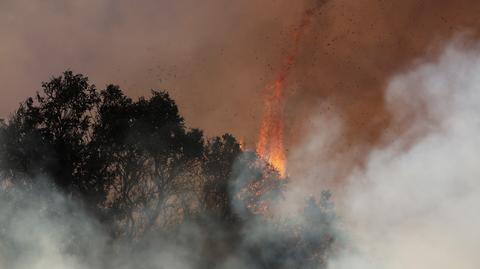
138,170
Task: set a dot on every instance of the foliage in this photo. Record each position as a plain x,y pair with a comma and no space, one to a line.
139,170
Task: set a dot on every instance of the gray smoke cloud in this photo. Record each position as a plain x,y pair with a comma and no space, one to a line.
42,228
415,201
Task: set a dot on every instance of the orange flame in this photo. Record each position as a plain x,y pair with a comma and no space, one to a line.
242,144
270,145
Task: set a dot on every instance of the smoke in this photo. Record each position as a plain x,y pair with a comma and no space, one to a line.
411,204
41,228
35,232
415,201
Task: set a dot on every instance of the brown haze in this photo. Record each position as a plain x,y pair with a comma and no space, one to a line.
216,56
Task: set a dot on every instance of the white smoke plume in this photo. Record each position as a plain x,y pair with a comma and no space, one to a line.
41,228
36,233
416,203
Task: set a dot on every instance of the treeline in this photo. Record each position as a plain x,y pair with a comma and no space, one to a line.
138,170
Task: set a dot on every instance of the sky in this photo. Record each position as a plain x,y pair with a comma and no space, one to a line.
215,57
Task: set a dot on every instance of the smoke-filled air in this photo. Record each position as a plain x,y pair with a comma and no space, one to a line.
313,134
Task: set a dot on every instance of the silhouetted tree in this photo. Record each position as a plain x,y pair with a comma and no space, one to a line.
139,170
143,147
219,159
48,134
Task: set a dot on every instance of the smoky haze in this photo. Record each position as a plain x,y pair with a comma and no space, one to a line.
414,204
373,80
216,57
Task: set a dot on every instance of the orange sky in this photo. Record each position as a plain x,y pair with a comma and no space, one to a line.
216,56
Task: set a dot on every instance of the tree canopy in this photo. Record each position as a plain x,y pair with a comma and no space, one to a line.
137,168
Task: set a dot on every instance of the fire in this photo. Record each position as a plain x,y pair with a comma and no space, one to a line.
242,144
271,144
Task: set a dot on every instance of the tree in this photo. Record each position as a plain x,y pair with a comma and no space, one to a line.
140,171
118,156
144,148
48,134
219,159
